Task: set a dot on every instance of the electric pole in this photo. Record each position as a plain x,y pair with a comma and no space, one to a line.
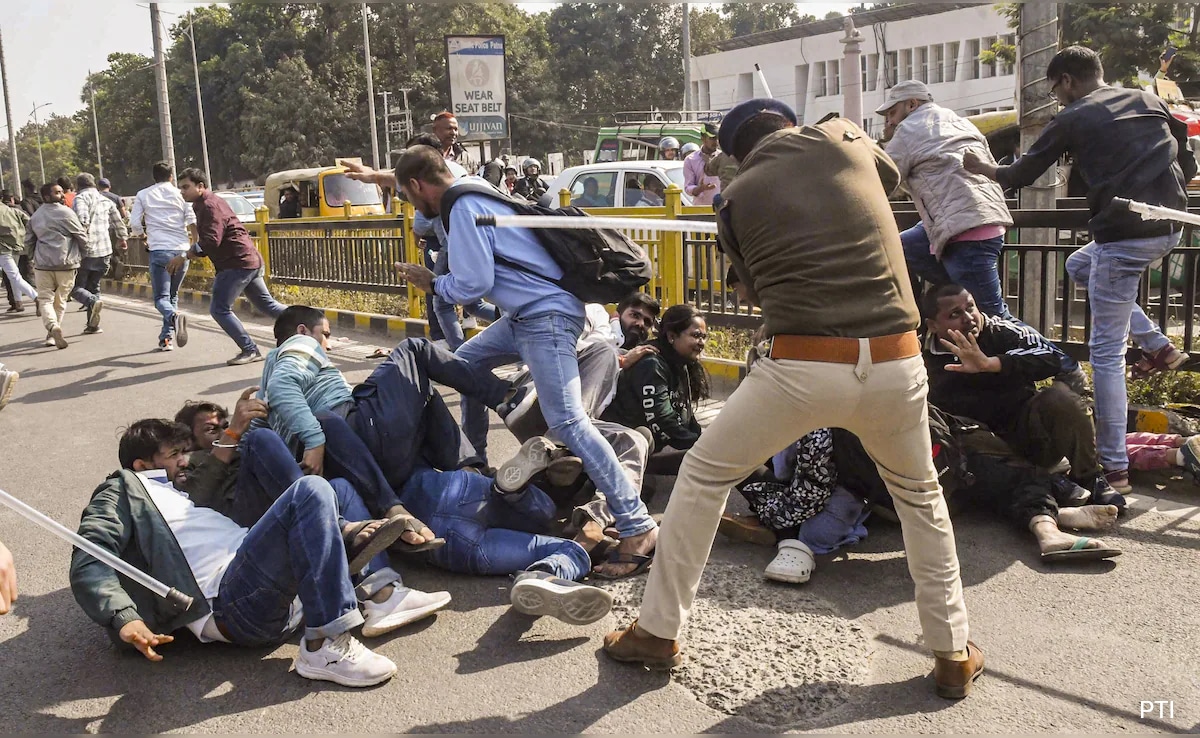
408,126
199,98
95,125
12,132
370,91
160,82
686,43
387,131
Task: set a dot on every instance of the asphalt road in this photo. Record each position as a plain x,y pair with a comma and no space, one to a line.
1074,649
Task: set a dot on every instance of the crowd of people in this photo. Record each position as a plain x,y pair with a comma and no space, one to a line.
863,397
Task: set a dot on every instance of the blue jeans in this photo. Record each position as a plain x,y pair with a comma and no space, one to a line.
87,280
296,549
403,420
973,264
487,533
166,287
447,316
1112,273
267,468
227,285
546,343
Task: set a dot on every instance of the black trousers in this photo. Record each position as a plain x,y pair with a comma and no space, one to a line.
1055,424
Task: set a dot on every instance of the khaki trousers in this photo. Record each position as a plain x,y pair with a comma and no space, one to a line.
778,402
54,286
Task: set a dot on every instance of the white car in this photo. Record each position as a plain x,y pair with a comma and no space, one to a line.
619,184
241,207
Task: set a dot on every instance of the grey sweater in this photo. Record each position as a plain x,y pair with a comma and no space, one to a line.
56,237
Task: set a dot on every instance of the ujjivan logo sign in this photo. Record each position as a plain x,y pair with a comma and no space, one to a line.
478,93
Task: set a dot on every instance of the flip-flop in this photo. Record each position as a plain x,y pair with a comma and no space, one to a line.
617,557
385,535
378,354
410,523
1079,552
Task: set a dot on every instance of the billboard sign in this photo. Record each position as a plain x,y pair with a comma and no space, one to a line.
478,94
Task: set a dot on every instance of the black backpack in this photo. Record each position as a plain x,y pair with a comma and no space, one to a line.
599,264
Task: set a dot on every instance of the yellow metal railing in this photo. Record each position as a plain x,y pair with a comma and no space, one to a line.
666,251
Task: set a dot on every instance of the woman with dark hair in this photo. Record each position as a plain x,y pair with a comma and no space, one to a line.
661,391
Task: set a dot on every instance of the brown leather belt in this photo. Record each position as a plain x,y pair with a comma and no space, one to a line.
844,350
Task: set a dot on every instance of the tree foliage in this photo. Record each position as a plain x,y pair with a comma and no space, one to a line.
1129,37
284,84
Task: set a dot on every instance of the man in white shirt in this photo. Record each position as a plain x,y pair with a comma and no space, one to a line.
250,587
170,227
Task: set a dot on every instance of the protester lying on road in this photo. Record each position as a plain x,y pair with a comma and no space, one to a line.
396,412
823,508
986,369
503,527
251,587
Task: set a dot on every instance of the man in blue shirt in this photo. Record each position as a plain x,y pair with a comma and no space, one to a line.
541,325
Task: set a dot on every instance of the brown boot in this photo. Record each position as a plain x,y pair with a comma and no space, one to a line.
955,679
637,646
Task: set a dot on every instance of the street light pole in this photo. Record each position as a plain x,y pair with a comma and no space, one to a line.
95,125
387,131
12,132
199,99
160,84
370,90
37,127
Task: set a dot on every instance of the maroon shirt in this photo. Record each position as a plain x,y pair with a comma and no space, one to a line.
223,239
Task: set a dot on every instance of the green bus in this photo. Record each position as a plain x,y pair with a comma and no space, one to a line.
636,134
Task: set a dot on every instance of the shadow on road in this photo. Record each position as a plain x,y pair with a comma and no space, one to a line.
73,681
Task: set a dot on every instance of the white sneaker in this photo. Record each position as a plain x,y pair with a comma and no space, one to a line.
470,323
542,593
8,382
345,661
403,607
794,563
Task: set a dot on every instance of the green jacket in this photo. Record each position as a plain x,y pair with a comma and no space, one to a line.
724,166
13,222
122,518
211,482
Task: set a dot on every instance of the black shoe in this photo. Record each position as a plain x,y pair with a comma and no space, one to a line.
1104,494
513,410
1067,493
246,357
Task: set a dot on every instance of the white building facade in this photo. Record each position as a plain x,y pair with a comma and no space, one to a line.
938,44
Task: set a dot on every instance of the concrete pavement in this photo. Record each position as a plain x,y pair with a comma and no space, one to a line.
1072,649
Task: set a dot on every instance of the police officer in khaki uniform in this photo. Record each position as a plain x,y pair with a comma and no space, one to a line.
821,254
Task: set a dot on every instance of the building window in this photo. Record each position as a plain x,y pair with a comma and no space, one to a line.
922,64
801,73
821,86
951,61
891,62
835,77
867,125
704,99
745,86
906,63
971,63
937,63
987,71
1006,68
872,80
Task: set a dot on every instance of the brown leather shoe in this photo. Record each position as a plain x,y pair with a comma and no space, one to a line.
955,679
637,646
